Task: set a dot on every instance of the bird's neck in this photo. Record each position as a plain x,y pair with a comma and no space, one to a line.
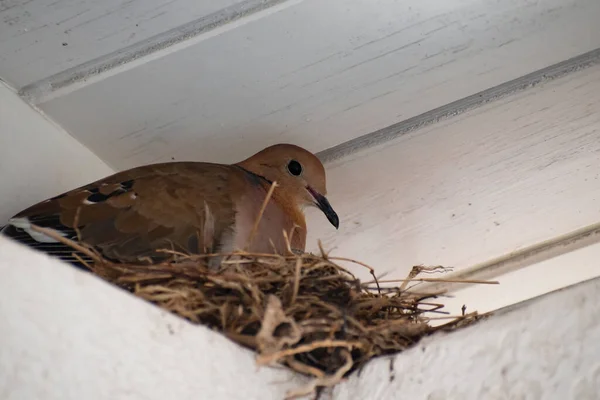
289,206
283,200
297,220
293,213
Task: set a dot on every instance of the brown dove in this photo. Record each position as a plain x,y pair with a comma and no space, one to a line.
191,207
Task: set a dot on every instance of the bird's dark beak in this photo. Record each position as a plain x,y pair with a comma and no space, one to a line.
323,204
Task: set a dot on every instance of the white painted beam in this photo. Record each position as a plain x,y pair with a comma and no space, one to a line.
524,284
38,159
42,38
482,185
296,75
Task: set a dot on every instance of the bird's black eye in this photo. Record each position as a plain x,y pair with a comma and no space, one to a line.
294,167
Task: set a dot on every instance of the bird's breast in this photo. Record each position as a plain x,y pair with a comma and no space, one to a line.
269,236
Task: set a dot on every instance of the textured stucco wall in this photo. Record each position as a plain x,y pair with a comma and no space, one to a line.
546,349
65,334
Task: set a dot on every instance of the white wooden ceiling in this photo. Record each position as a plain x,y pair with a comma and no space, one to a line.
489,182
141,81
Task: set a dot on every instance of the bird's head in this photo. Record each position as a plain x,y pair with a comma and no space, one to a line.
299,174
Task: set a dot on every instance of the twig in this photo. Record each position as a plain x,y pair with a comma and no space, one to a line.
288,242
175,253
260,214
82,261
289,237
76,223
326,381
55,235
367,266
436,280
324,254
414,271
296,280
303,368
264,359
457,317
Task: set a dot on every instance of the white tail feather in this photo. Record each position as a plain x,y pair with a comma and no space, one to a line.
25,224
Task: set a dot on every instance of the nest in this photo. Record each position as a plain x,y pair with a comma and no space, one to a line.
304,311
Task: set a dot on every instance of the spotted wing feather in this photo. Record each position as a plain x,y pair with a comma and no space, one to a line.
185,207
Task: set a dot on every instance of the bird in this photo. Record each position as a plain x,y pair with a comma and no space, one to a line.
185,206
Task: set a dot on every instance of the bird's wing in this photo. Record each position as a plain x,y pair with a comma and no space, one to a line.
185,207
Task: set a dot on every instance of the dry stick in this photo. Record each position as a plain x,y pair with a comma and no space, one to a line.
269,358
238,252
414,271
273,245
324,254
78,233
82,261
260,214
288,242
371,269
458,317
306,369
174,252
288,238
436,280
296,280
432,269
55,235
326,263
326,381
76,223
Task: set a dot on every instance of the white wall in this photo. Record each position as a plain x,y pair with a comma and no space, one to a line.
548,349
481,185
67,335
38,159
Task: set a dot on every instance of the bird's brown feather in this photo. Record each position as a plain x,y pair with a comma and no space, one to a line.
161,206
191,207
